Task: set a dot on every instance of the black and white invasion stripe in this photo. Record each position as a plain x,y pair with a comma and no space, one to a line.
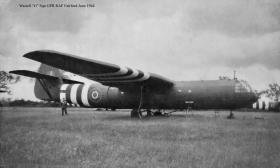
123,75
80,94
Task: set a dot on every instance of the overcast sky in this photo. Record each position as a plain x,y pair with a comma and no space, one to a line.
178,39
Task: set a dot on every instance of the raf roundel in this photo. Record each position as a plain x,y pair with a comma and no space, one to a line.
95,95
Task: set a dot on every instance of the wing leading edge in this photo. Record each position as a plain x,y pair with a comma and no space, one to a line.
105,73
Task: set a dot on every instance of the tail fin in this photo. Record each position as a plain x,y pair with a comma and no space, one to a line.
48,81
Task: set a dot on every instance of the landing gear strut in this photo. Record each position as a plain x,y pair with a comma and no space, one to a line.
137,113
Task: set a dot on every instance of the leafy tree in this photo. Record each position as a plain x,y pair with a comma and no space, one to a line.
273,91
5,80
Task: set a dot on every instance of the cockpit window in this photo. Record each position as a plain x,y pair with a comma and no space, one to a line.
242,86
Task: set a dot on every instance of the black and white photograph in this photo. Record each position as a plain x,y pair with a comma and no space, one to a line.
140,83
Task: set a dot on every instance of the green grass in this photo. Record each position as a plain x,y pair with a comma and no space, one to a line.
40,137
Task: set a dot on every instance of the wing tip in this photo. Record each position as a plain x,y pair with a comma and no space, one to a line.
15,71
31,55
36,54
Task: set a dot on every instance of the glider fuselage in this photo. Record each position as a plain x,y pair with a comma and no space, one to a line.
211,94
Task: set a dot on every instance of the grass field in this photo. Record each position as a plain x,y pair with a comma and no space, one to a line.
40,137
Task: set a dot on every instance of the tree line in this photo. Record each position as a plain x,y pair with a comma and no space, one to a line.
27,103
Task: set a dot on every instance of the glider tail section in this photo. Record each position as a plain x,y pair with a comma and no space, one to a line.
48,81
47,89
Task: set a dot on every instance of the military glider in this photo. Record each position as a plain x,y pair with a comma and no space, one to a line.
116,87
